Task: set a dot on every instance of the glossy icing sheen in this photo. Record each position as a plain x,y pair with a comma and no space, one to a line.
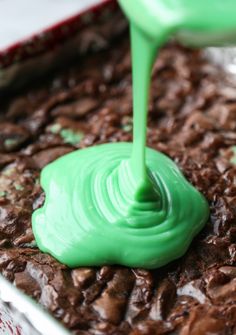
92,215
122,203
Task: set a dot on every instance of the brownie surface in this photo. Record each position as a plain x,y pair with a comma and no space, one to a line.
192,119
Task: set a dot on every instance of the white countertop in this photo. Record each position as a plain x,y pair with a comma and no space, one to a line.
20,19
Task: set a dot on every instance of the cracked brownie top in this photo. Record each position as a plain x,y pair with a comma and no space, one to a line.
192,119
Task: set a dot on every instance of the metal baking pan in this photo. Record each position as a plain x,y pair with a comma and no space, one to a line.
37,50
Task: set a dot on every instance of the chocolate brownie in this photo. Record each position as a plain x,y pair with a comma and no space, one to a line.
192,119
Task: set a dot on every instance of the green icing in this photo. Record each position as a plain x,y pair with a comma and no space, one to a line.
71,137
233,159
3,194
92,215
55,128
127,128
123,203
10,143
19,187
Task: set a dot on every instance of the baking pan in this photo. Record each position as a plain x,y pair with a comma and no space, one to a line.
34,53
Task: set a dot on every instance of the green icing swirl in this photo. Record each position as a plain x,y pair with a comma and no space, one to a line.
92,216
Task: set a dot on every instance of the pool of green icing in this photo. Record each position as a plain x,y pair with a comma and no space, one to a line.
92,214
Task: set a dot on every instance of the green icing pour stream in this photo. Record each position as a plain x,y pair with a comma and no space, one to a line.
123,203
